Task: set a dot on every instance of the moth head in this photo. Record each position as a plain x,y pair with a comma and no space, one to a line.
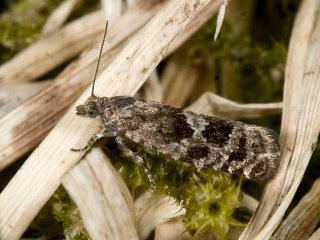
91,108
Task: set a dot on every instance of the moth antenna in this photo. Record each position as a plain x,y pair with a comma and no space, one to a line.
98,63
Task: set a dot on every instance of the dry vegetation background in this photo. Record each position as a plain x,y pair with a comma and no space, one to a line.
267,51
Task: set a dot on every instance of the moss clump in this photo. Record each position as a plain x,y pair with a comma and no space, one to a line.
209,197
58,219
66,212
211,202
21,23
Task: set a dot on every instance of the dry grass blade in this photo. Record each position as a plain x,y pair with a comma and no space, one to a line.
249,202
152,88
212,104
59,16
112,10
315,235
42,172
23,129
203,16
153,209
300,122
178,77
49,52
11,96
303,219
172,230
220,18
104,201
16,139
235,232
28,124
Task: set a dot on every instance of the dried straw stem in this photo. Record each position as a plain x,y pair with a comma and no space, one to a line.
212,104
300,122
303,219
27,125
105,204
51,104
50,52
113,9
154,209
59,16
12,96
315,235
42,172
178,77
173,229
56,48
152,88
102,198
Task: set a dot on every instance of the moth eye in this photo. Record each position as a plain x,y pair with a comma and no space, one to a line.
92,112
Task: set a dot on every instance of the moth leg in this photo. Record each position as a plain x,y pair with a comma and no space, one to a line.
136,158
92,140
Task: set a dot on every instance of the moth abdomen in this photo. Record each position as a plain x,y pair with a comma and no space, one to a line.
265,147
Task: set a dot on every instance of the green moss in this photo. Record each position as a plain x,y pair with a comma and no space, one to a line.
66,213
247,70
58,219
62,207
21,23
211,201
209,197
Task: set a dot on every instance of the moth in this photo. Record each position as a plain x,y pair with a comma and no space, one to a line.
186,137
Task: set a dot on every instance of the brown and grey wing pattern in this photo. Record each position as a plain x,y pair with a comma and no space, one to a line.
197,139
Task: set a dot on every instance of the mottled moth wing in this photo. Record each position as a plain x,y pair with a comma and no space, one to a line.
190,138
